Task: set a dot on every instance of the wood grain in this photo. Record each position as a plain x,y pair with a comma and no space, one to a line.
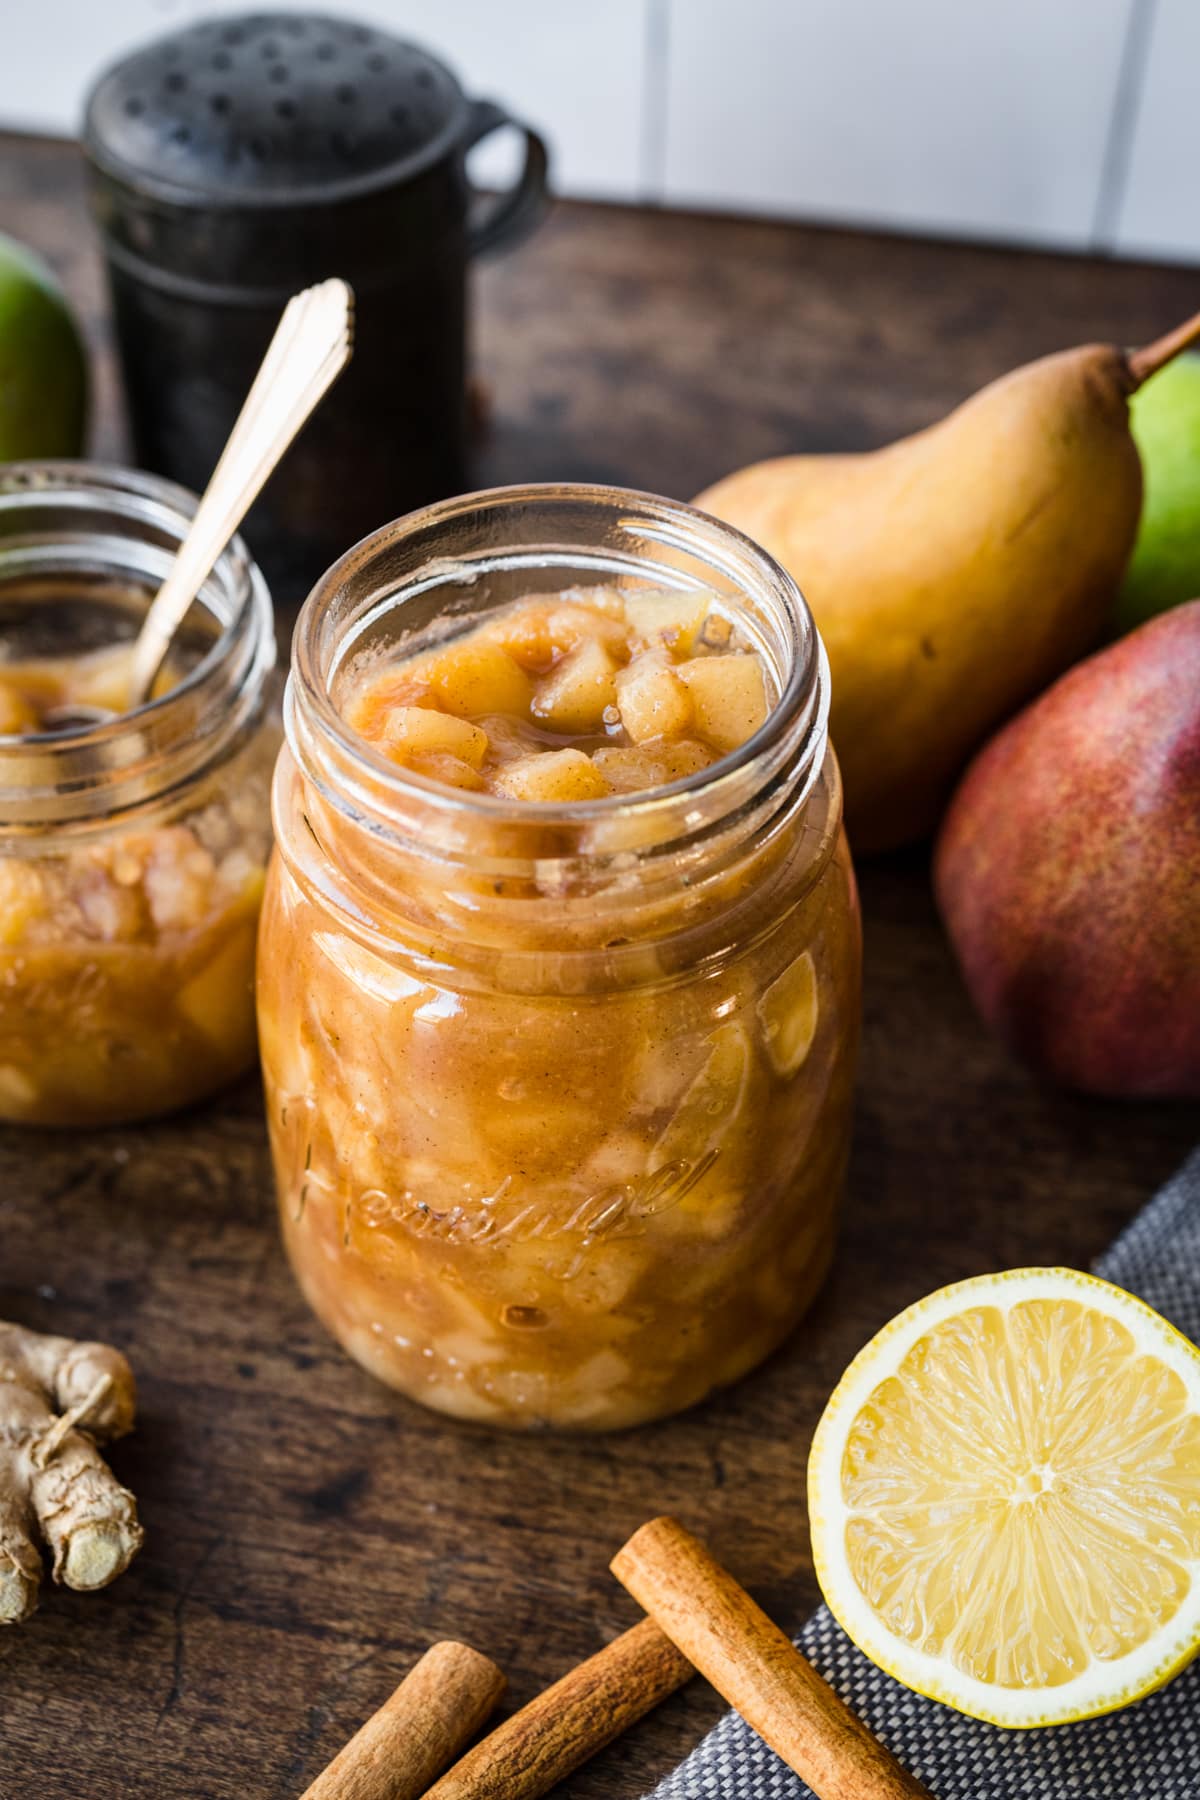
418,1731
308,1533
755,1666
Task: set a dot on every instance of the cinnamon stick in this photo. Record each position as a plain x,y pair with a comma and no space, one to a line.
567,1723
438,1707
758,1670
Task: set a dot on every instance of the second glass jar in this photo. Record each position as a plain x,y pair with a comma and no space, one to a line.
133,844
559,1096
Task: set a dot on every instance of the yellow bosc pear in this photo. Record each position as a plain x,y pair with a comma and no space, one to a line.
956,573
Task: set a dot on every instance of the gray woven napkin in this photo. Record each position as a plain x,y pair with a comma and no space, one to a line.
1150,1751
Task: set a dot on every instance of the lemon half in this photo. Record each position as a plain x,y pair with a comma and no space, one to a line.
1004,1495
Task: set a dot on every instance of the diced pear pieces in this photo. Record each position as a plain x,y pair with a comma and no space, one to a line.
102,678
537,633
17,1092
370,709
22,897
572,624
787,1014
728,695
572,696
417,731
450,771
552,775
524,635
575,694
666,618
17,714
651,699
508,738
630,769
218,999
473,676
710,1104
717,632
607,600
678,760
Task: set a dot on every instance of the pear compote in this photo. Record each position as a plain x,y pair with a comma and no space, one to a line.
559,959
133,845
574,698
126,964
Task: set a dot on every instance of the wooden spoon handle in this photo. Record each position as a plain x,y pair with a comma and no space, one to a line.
308,352
756,1668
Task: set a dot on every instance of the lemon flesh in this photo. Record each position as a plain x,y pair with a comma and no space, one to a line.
1005,1498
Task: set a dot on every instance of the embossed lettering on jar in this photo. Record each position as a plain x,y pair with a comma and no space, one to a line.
132,845
559,1093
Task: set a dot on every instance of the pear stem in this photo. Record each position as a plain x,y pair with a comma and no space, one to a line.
1151,358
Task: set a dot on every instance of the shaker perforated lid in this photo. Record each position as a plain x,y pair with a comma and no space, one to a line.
241,158
271,109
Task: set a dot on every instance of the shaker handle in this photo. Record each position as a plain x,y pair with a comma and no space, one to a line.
503,218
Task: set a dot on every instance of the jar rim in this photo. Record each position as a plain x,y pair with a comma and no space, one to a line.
57,778
795,729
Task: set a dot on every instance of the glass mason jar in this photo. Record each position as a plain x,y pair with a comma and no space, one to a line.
132,850
559,1096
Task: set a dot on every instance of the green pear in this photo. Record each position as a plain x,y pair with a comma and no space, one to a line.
1067,870
43,369
1165,569
956,573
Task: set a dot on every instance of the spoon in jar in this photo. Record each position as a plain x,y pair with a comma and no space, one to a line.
311,346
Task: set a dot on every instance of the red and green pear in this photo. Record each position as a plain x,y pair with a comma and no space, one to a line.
1068,870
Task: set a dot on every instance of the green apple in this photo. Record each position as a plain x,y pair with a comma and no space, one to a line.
1165,568
43,368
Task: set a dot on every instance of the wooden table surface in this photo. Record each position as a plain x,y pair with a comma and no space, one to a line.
308,1533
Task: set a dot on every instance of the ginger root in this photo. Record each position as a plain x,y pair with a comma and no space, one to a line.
59,1398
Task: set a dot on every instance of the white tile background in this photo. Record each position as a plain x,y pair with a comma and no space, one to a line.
1063,122
944,113
1161,210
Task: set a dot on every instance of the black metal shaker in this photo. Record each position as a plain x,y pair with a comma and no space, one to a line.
239,160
